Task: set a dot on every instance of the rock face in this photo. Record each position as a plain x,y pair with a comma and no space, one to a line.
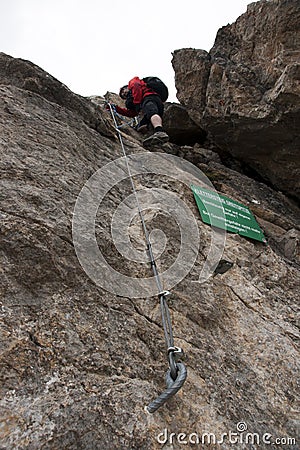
246,91
79,362
27,76
180,127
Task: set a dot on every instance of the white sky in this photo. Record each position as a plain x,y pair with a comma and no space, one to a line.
94,46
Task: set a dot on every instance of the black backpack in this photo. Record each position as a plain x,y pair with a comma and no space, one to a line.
158,86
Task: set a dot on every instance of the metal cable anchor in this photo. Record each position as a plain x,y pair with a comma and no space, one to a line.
174,356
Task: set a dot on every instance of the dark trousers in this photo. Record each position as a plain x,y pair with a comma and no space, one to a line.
151,105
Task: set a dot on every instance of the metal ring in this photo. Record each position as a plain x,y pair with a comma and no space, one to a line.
173,365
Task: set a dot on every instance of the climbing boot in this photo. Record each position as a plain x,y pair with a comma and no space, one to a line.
158,138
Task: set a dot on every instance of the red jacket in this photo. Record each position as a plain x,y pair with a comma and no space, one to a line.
139,91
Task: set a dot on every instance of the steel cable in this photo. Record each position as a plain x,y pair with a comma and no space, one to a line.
177,373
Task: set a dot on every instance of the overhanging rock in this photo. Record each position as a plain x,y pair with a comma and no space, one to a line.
246,91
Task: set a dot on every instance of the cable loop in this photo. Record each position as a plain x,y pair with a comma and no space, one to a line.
173,386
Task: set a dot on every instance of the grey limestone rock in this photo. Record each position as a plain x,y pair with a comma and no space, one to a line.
79,362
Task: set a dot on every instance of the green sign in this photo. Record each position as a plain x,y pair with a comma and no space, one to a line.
222,212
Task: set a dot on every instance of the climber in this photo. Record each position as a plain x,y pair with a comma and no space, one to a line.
141,97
